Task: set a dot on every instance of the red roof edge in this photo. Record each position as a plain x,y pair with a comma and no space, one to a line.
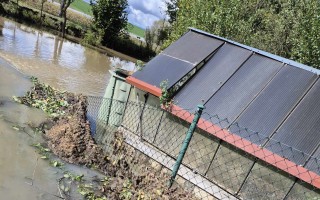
251,148
144,86
235,140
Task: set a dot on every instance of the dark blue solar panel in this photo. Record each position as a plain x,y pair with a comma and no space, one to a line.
193,47
163,68
299,135
314,162
274,103
178,59
242,87
212,76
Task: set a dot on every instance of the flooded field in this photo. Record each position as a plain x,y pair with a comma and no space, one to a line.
26,52
57,62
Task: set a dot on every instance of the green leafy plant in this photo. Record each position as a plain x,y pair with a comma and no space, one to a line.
139,65
166,95
126,190
92,37
87,191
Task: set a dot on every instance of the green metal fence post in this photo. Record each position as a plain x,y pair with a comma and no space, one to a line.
185,144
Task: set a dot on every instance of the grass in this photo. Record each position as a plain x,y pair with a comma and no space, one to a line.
81,6
135,30
85,8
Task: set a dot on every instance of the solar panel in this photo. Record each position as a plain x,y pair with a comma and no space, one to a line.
274,103
193,47
242,87
314,163
299,134
212,76
178,59
162,68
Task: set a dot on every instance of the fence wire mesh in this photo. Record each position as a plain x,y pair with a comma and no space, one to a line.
217,164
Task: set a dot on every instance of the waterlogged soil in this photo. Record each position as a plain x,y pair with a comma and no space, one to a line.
68,136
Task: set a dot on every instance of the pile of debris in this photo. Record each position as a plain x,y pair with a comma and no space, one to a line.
68,135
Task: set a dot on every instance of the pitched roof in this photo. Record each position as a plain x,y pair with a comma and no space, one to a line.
277,98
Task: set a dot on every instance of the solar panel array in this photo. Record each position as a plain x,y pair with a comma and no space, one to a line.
278,100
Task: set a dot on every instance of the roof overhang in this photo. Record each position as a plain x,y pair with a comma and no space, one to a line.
144,86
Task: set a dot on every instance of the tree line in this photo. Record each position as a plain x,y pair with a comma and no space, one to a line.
288,28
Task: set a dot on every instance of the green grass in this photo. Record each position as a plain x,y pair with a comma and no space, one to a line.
81,6
85,8
135,30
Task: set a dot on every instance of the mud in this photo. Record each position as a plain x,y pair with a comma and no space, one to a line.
128,173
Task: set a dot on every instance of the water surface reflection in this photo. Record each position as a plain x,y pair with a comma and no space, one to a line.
60,63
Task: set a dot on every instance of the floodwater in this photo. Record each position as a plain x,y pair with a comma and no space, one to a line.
26,52
60,63
23,174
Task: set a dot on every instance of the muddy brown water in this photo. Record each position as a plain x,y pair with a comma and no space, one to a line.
26,52
60,63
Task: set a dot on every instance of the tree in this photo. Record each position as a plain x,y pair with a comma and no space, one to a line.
1,6
172,9
64,5
41,10
2,1
110,18
306,37
1,24
157,33
288,28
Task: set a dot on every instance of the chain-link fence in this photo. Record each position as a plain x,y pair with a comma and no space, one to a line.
223,160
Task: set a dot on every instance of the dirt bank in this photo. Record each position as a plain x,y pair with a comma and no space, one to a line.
129,175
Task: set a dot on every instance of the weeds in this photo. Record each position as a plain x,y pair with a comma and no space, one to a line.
166,95
88,192
126,190
92,38
139,65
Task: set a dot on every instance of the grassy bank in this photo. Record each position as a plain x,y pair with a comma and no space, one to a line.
82,6
28,12
136,30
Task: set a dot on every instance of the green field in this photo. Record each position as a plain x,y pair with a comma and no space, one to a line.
85,8
135,30
81,6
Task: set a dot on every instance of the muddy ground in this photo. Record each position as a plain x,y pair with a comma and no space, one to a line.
67,133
